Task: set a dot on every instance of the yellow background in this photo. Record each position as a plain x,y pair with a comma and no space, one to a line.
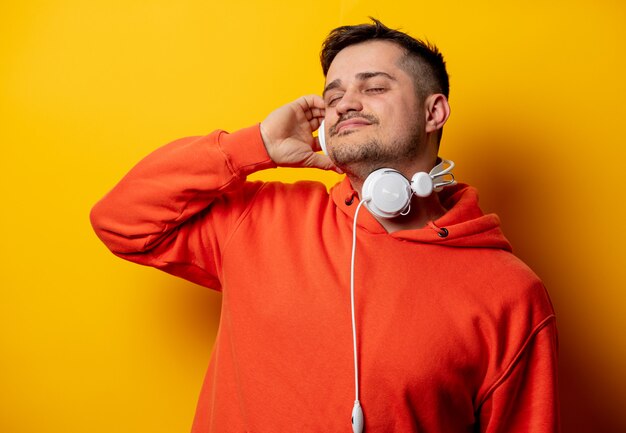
91,343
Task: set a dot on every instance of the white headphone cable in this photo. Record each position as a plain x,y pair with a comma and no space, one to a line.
357,412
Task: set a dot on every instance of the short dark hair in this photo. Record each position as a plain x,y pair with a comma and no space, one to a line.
422,59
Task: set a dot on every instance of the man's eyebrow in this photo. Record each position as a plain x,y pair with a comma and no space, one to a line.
362,76
367,75
332,85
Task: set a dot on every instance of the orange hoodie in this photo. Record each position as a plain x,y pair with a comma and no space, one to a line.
455,334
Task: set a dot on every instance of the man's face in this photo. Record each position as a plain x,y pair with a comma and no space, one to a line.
373,115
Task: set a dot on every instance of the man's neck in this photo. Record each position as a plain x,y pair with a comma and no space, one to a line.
423,210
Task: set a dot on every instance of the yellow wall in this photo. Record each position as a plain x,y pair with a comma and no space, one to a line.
91,343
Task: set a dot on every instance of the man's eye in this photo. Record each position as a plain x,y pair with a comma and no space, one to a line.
334,100
376,90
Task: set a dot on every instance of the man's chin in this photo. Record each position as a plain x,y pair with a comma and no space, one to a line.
349,153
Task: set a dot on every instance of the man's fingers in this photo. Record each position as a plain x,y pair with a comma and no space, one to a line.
315,123
312,101
312,106
316,144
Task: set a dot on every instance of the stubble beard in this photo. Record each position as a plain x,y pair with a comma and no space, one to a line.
360,158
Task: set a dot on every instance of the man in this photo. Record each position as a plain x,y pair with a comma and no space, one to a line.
450,332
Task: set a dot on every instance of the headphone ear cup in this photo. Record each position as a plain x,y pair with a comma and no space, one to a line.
321,137
422,184
388,193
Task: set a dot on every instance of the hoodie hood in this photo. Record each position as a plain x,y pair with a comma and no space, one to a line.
464,222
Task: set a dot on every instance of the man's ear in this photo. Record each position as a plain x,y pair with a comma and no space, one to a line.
437,111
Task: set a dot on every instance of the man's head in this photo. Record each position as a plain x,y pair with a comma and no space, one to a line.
422,60
386,99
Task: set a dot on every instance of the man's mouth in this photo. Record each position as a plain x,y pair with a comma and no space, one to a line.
350,124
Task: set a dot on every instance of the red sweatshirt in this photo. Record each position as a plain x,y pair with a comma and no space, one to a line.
455,334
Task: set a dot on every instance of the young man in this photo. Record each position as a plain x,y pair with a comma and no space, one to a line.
425,318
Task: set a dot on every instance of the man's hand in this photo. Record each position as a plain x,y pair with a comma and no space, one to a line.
288,134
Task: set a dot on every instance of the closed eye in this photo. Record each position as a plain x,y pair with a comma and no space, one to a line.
334,100
376,90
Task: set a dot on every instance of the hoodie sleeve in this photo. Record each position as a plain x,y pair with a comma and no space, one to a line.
525,398
175,208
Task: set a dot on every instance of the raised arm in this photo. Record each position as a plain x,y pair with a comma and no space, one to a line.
173,209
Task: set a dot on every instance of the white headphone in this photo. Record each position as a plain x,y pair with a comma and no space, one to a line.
388,193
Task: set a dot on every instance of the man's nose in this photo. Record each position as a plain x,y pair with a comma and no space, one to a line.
350,101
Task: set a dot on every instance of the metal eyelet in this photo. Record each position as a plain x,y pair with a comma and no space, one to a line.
350,199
